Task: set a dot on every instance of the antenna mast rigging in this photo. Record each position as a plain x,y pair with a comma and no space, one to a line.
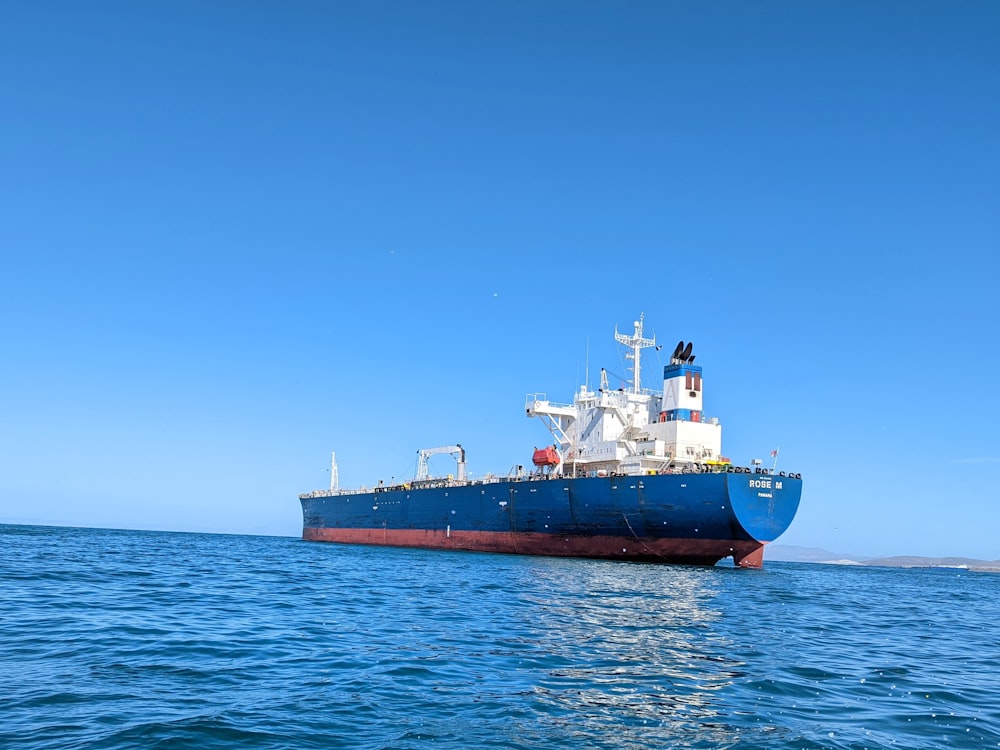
636,343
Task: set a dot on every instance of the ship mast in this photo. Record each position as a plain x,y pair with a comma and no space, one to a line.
636,343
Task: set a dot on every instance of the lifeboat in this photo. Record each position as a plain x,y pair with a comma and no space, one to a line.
545,457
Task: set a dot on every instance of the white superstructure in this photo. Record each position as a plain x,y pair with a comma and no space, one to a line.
634,430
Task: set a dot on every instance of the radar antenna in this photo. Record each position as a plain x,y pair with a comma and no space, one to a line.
636,343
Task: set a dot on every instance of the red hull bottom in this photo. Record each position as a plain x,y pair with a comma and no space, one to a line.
685,551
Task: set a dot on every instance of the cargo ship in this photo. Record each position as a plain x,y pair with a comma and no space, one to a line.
631,474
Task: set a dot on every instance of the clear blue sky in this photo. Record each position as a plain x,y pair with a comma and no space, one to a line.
236,236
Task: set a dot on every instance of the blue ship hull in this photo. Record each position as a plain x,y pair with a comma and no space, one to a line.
677,518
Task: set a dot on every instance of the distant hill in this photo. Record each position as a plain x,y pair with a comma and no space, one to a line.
791,553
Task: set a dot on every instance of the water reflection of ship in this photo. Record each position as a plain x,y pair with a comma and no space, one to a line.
635,648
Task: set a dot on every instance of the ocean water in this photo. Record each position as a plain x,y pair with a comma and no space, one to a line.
130,639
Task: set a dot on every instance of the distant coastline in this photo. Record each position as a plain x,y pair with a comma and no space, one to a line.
791,553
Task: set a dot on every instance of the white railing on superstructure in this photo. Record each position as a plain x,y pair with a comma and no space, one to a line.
539,398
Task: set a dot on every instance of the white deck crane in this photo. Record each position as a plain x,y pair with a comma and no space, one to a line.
424,453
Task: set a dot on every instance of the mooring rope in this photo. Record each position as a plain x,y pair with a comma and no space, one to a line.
638,539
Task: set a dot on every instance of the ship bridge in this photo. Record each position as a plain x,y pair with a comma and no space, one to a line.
634,430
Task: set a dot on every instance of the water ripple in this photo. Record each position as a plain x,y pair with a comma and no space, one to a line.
114,639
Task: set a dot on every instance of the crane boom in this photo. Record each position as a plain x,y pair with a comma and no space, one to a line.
423,471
